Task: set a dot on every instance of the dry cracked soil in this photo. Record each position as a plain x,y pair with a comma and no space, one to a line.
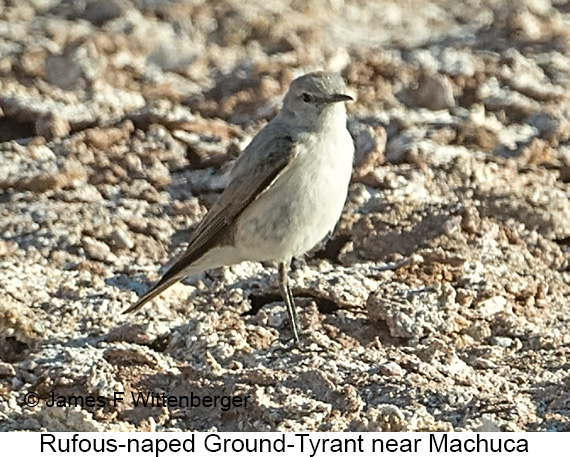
442,299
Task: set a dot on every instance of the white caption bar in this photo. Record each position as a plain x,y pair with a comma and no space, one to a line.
286,444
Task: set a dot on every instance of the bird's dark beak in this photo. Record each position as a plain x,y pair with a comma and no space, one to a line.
339,98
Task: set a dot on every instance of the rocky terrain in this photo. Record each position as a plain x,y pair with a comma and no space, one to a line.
442,300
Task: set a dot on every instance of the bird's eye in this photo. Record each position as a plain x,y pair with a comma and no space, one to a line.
306,97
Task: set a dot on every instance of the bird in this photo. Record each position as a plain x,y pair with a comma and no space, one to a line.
286,190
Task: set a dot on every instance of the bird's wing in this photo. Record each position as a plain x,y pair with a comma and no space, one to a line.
251,177
253,174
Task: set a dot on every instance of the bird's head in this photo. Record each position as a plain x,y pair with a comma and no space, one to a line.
314,95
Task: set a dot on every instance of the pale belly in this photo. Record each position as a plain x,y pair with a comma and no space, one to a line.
302,208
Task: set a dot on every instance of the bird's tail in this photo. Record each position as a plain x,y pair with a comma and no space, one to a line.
157,289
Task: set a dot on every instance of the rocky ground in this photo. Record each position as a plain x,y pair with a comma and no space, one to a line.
442,300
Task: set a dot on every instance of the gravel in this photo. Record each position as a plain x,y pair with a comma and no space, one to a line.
441,301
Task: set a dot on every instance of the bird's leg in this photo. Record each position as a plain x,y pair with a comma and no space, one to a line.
288,298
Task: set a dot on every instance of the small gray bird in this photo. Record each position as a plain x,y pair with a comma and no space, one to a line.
286,190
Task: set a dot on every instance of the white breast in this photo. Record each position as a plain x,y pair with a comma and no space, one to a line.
306,201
